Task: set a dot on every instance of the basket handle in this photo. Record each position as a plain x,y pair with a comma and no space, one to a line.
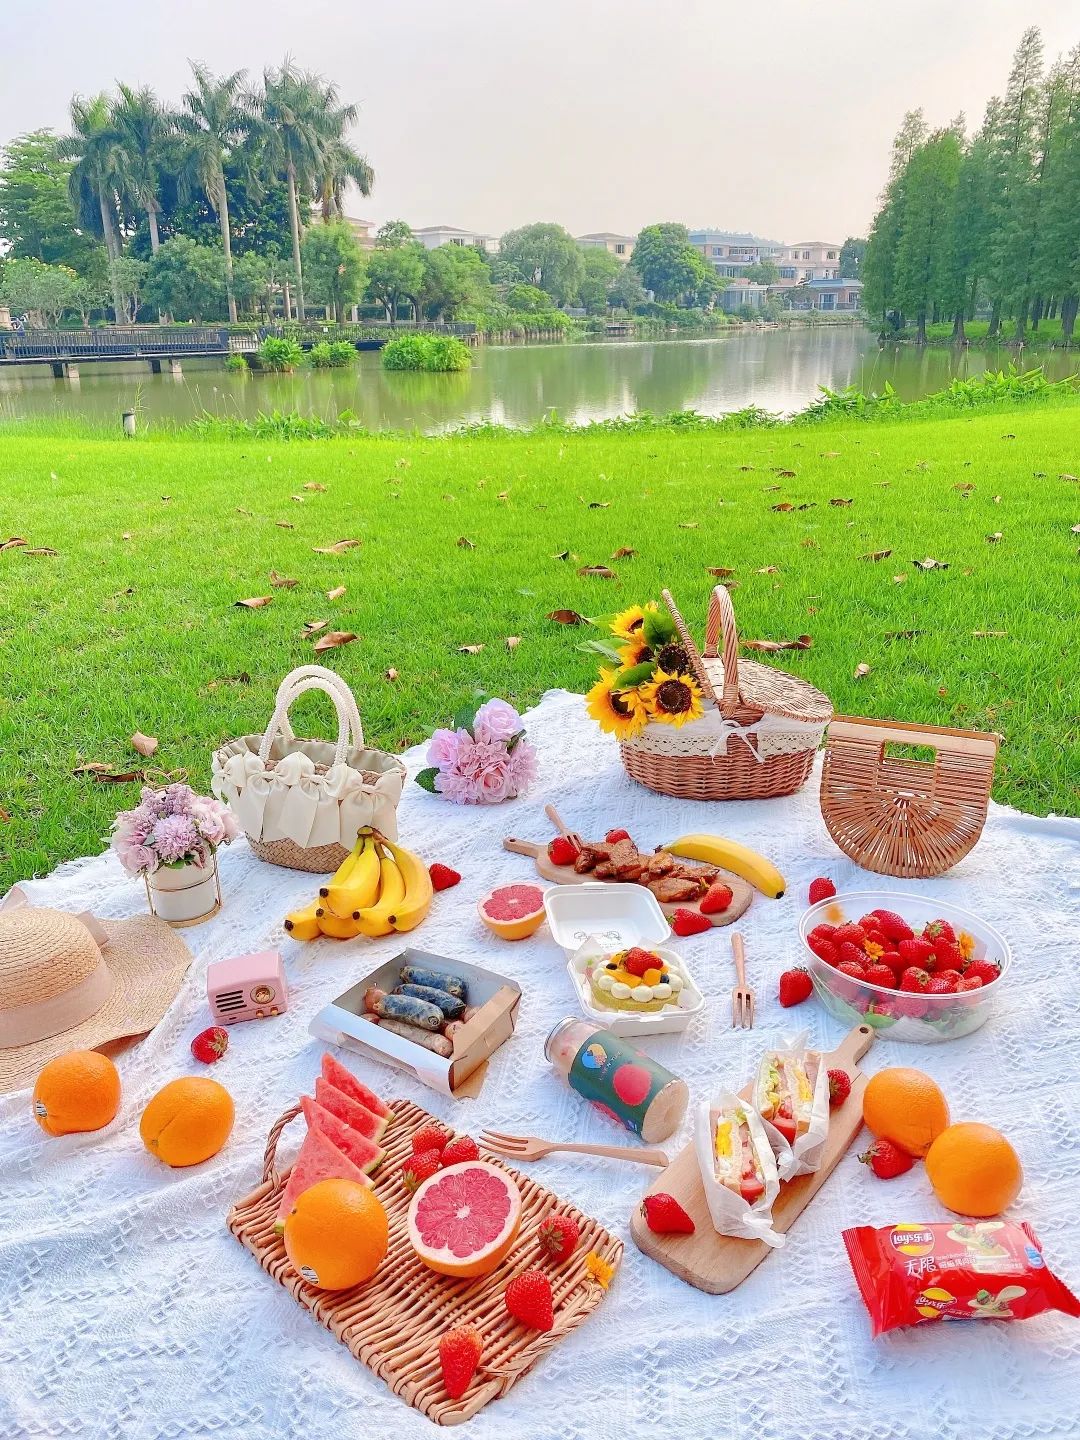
303,672
269,1170
728,702
344,704
982,744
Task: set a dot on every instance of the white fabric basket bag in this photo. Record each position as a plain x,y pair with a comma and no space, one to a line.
301,803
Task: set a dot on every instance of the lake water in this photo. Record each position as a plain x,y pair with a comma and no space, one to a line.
519,385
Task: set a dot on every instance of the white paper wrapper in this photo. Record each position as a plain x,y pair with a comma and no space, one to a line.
804,1156
731,1215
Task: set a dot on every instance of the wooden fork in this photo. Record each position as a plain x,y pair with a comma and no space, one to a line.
531,1147
571,835
742,997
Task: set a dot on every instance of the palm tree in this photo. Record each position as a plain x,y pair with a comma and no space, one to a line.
338,161
94,180
142,126
216,120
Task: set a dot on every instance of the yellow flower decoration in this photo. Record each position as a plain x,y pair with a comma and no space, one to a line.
599,1269
619,712
627,624
635,652
966,943
672,699
873,949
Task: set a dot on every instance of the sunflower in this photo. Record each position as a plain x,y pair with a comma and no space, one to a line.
635,652
674,659
627,623
672,699
617,712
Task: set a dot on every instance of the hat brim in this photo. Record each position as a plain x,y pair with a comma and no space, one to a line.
148,962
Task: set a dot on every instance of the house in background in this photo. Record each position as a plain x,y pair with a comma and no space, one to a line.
621,246
363,232
731,253
740,293
808,260
831,295
432,236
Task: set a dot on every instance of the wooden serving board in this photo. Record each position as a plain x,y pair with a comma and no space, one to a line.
717,1263
741,892
394,1322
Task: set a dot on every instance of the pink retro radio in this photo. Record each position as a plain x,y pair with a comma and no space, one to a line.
248,987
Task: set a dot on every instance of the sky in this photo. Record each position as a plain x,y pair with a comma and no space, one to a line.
598,114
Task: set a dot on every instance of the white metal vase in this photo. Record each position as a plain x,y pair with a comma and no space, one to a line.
185,894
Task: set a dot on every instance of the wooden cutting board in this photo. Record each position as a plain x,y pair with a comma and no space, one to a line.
717,1263
741,892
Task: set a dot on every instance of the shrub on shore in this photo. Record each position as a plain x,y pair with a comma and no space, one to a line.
426,352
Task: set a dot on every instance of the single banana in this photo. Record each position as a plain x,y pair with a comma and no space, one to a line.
303,924
375,919
361,886
347,866
730,855
419,890
335,926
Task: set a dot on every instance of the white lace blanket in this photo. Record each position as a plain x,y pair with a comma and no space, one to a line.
127,1310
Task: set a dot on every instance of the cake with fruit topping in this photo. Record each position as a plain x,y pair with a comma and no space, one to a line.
637,980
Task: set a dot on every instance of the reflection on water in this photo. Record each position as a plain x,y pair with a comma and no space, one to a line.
519,384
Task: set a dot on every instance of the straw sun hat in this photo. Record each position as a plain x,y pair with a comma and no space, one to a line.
59,991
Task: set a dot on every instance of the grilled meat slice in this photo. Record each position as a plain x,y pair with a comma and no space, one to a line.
671,890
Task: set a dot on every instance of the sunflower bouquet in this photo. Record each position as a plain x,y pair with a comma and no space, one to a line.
648,677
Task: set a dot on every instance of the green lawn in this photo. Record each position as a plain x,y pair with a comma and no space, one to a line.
132,625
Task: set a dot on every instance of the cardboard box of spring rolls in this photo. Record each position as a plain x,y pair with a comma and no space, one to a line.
493,999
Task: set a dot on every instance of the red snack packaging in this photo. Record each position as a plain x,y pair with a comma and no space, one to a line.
963,1270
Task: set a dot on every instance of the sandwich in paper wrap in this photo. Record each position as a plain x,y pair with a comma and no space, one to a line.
791,1095
738,1169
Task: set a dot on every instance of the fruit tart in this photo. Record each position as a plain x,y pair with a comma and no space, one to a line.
636,980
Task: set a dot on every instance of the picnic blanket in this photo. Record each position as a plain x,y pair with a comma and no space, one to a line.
127,1310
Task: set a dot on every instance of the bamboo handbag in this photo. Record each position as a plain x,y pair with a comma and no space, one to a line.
756,740
302,802
900,816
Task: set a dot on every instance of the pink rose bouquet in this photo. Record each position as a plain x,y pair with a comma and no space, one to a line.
171,827
484,759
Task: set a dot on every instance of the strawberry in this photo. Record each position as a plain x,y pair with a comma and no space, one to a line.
459,1354
824,950
442,877
909,1005
822,932
839,1088
558,1236
462,1147
431,1137
949,955
878,974
614,836
952,977
939,986
636,961
969,982
894,927
795,987
850,934
665,1216
893,959
209,1045
716,899
852,968
914,980
915,951
562,851
852,954
887,1160
528,1298
420,1167
821,889
938,929
689,922
984,970
871,924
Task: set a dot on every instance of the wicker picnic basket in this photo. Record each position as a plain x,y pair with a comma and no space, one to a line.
758,737
301,803
901,816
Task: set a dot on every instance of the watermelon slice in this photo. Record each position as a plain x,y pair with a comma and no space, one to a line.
360,1150
358,1116
345,1081
319,1159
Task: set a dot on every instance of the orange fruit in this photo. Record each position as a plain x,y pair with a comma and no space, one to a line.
974,1170
337,1234
187,1121
906,1107
75,1092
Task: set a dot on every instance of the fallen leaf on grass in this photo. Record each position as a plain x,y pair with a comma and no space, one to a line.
876,555
337,548
337,592
334,639
901,634
997,499
256,602
314,485
746,467
964,486
284,525
561,555
861,669
688,524
1066,476
298,498
994,538
784,474
929,563
597,572
767,570
469,649
165,499
770,647
513,641
144,744
126,535
503,495
243,678
1076,530
900,579
40,550
1008,435
282,582
594,504
464,543
4,816
838,502
719,572
241,511
989,634
829,454
768,489
391,674
809,543
13,542
100,771
624,552
567,617
783,506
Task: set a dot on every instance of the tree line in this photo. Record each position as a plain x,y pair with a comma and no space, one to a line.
985,223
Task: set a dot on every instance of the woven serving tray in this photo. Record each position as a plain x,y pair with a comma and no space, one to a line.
394,1322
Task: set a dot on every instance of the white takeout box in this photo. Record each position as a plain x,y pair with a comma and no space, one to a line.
342,1023
602,917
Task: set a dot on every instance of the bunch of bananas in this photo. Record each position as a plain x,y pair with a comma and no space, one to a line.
380,888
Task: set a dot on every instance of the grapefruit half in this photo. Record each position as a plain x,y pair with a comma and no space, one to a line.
513,911
463,1220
